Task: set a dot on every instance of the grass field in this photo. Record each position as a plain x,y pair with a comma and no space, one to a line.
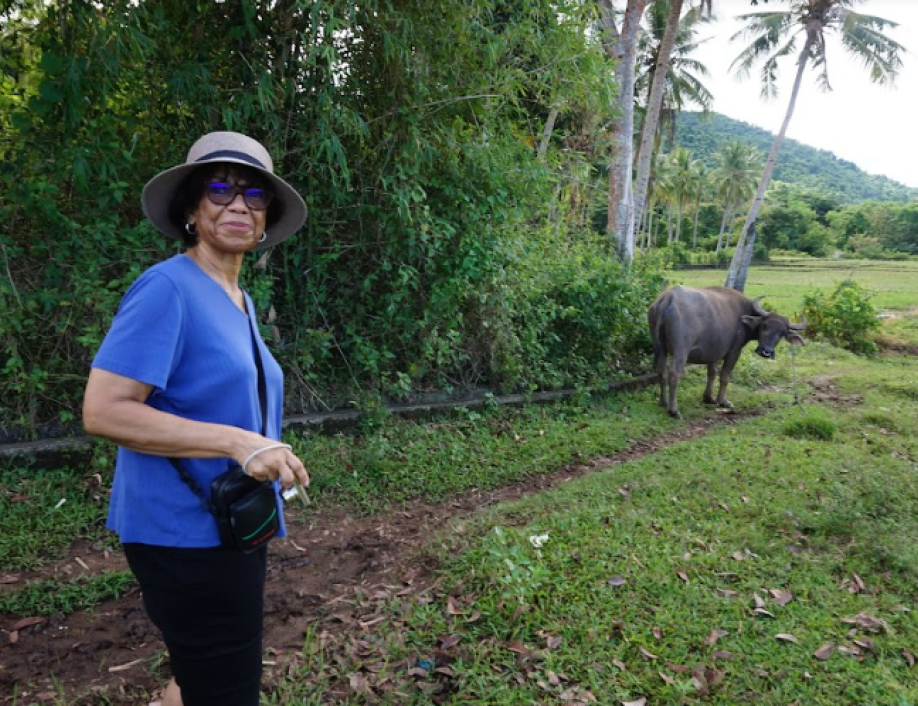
774,560
785,282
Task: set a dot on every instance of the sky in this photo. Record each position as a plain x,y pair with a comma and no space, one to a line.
875,127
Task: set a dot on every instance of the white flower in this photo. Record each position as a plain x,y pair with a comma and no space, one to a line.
537,540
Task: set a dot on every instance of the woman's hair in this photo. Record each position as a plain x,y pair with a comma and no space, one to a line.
188,194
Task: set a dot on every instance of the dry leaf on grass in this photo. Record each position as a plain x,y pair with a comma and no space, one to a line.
786,637
646,654
637,702
825,651
714,637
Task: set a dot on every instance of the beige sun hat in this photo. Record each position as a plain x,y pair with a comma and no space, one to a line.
224,147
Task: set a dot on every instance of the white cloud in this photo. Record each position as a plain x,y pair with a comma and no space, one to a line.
872,126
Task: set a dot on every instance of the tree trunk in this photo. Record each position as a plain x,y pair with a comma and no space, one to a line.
723,223
695,224
747,258
645,154
546,133
736,265
622,47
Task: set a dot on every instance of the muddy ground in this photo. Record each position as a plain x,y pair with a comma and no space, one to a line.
318,580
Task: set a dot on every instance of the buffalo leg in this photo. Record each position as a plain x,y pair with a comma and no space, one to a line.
709,388
725,372
675,373
659,364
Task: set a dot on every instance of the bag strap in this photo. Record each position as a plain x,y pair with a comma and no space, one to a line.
263,404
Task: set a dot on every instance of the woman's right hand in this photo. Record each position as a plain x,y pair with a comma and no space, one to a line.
276,462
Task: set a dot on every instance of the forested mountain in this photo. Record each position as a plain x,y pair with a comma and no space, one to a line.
797,163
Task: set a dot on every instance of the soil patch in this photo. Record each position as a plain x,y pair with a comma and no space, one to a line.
317,579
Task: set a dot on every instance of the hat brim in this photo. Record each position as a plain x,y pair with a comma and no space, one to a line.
159,191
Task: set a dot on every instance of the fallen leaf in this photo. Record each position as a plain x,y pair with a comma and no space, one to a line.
849,651
82,563
727,592
739,556
668,679
657,633
786,637
359,683
646,654
909,658
616,581
473,617
758,600
677,668
621,665
26,623
552,642
127,665
859,582
722,654
762,611
682,575
714,637
782,598
867,622
864,643
451,641
10,578
637,702
453,607
825,651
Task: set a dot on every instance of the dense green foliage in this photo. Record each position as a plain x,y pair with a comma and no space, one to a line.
797,164
442,250
845,318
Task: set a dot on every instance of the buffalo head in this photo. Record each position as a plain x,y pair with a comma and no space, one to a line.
769,329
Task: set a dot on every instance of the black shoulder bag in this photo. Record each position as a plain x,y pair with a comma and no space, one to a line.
245,509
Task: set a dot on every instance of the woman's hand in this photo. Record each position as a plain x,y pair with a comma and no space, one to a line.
268,459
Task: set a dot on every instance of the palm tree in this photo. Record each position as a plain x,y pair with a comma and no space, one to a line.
684,76
620,43
776,35
737,166
701,184
654,104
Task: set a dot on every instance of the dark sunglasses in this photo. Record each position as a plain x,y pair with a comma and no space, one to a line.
224,194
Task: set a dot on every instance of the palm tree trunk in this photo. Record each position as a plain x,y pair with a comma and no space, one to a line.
623,48
658,83
723,223
747,258
695,224
736,265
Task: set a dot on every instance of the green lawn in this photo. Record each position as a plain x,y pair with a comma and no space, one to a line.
785,282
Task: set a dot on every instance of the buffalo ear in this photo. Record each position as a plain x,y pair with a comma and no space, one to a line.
794,339
752,322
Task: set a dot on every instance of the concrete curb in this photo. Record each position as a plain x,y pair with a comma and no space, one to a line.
50,453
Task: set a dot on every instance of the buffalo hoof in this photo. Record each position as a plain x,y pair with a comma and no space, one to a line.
674,414
708,400
726,404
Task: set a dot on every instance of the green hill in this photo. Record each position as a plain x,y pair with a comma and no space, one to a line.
797,163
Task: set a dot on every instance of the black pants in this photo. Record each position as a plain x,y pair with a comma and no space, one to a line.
209,606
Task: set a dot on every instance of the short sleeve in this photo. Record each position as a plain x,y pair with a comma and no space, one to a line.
145,338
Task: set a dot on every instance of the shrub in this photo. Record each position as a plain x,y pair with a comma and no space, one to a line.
845,318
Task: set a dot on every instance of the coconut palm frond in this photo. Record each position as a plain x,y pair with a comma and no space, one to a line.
879,54
769,72
766,31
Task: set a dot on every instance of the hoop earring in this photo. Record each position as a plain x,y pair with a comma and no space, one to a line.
191,229
264,237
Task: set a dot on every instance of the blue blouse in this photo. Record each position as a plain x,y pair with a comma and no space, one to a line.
177,330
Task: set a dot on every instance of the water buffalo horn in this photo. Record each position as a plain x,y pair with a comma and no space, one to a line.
758,307
798,327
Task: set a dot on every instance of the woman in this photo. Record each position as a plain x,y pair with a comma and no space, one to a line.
177,377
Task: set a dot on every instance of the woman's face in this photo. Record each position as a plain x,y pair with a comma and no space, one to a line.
234,227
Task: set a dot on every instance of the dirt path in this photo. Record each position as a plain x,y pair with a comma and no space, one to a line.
315,580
